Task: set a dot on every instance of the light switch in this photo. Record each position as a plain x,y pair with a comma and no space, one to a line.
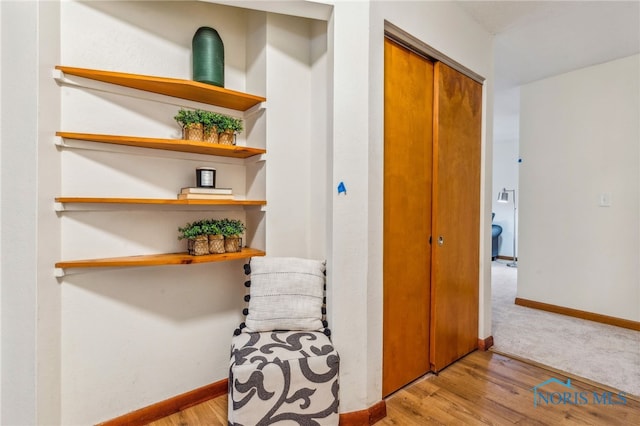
605,199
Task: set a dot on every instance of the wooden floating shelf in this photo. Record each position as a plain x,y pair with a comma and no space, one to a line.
159,201
158,259
178,88
178,145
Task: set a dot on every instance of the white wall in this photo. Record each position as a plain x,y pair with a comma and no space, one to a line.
1,223
30,336
290,181
506,140
579,138
352,286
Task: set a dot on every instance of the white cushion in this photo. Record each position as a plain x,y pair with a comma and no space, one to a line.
286,293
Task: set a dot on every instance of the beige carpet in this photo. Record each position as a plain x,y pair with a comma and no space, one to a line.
599,352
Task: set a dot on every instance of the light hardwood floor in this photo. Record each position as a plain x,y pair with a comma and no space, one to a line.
484,388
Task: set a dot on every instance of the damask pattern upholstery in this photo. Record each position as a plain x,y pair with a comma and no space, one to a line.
283,376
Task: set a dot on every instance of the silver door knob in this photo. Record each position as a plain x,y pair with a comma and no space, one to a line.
440,240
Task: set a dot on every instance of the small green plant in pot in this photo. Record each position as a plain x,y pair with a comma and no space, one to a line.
192,128
196,235
228,127
232,229
216,239
210,121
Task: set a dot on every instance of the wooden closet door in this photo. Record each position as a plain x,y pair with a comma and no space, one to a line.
456,213
408,133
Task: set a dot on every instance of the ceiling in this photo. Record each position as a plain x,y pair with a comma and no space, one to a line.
538,39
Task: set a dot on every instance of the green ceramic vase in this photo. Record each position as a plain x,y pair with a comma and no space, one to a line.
208,57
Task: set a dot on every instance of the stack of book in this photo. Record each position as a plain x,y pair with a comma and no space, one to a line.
197,193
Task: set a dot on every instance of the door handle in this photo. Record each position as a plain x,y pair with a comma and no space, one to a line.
440,240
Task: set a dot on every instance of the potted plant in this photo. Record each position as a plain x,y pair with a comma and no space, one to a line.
196,235
232,229
228,127
210,121
214,233
191,126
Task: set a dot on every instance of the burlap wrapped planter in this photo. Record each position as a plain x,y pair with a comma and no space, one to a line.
232,244
211,135
227,137
198,246
193,132
216,244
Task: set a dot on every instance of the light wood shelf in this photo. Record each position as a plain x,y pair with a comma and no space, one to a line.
159,201
178,88
178,145
158,259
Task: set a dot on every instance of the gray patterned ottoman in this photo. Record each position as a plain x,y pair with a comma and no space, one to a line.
283,376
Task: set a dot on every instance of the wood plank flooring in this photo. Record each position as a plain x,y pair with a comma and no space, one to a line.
484,388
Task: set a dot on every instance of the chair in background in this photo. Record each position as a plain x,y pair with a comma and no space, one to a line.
496,230
283,366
